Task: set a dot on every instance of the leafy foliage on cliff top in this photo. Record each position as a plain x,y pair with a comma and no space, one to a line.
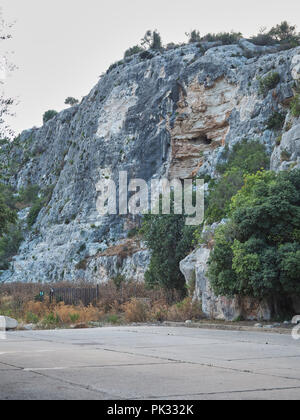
284,34
48,115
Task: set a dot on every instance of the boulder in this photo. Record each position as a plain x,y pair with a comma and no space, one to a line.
7,323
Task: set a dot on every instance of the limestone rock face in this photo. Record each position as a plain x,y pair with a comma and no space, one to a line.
167,116
194,268
287,154
296,67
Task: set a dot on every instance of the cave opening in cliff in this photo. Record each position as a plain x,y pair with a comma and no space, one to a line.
203,139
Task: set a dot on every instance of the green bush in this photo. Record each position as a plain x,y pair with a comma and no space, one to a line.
34,212
32,318
48,115
9,245
74,317
283,34
285,155
132,51
28,195
227,38
82,265
220,194
7,196
276,121
246,157
71,101
269,82
38,203
146,55
262,39
169,240
132,233
257,252
152,40
295,106
194,36
7,215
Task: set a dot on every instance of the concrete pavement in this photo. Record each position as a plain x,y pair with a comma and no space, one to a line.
149,363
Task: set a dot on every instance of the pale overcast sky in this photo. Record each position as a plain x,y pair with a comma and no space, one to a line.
62,46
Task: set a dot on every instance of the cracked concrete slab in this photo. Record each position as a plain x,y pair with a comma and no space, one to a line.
149,363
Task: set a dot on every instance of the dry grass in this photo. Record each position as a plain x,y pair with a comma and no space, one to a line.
131,302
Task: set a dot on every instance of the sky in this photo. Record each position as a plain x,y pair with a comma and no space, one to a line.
61,47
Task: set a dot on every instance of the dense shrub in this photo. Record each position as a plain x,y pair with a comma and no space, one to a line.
246,157
227,38
71,101
276,121
28,195
34,212
269,82
263,39
40,202
152,40
48,115
7,215
295,106
9,245
170,241
146,55
283,34
194,36
132,51
257,252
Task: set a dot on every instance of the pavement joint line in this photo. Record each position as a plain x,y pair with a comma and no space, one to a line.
209,365
76,385
95,366
243,391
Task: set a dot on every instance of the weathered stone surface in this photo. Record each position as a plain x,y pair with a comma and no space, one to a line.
296,67
287,154
169,116
8,323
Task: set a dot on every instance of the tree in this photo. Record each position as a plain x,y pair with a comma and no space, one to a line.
169,240
257,252
194,36
284,32
48,115
7,215
246,157
152,40
71,101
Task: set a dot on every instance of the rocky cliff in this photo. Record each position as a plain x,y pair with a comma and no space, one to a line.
159,114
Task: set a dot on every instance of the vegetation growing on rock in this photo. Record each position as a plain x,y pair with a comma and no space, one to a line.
257,253
49,115
246,157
